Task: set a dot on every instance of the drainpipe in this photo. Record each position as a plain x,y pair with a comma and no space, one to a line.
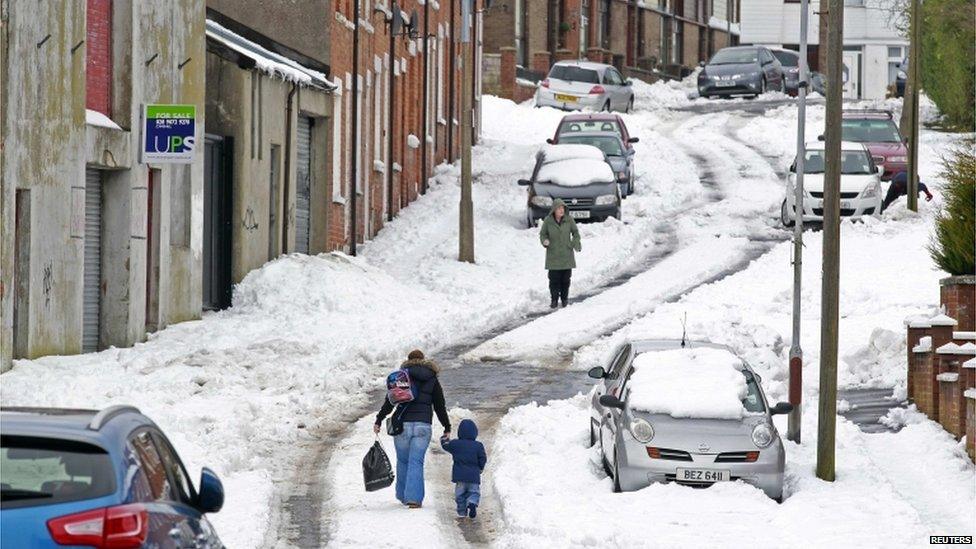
450,92
287,185
354,172
392,112
423,125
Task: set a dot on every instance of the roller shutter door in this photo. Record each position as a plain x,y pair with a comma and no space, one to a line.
92,302
304,184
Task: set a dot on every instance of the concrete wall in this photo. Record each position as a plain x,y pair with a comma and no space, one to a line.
47,146
302,25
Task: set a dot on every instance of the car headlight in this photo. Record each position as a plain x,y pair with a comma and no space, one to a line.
871,190
606,199
736,76
621,175
541,201
897,159
641,430
762,435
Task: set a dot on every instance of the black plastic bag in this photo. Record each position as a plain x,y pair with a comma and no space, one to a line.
377,472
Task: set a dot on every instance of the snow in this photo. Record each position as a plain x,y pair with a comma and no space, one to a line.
924,345
555,153
964,335
949,377
379,166
949,349
943,320
970,393
413,141
267,61
971,363
876,501
688,383
95,118
576,172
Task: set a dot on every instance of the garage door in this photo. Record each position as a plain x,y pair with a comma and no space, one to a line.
92,301
304,188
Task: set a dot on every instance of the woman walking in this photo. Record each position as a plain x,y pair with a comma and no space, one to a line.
414,418
561,239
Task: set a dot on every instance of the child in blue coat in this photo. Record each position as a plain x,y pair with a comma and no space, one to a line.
469,461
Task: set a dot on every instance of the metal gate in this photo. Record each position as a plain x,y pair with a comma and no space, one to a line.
217,188
92,295
303,189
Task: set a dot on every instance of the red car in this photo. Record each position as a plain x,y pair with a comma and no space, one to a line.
876,129
594,122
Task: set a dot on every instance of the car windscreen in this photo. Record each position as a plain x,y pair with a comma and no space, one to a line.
574,74
851,162
608,144
43,471
735,56
573,126
753,402
787,59
870,131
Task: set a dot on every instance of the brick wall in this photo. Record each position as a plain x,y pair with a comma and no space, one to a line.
98,56
952,404
958,295
926,388
971,427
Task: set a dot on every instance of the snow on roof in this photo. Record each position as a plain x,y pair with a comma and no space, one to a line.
954,349
948,348
697,382
844,146
576,172
964,335
971,363
943,320
95,118
918,321
268,61
924,345
948,377
555,153
970,393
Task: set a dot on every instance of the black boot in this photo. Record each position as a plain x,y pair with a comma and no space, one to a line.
554,303
563,301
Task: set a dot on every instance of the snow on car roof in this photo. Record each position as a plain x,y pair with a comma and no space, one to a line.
844,146
701,382
576,172
555,153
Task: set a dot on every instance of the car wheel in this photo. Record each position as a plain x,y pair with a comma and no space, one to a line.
762,86
616,474
617,214
630,105
784,216
606,107
782,84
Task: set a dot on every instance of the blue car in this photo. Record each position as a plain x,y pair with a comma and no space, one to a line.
87,478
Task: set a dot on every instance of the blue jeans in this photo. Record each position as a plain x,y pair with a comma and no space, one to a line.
466,493
411,447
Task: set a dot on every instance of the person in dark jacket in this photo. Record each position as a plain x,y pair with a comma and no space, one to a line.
416,417
899,187
561,239
469,462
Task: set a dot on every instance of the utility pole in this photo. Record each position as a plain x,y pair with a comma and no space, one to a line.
353,202
796,351
822,37
466,210
394,28
827,416
426,107
911,103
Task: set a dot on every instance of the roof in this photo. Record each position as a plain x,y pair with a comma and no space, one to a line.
265,60
555,153
651,345
71,423
583,64
591,116
787,50
844,146
876,114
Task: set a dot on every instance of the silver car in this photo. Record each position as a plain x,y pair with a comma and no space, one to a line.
574,85
639,448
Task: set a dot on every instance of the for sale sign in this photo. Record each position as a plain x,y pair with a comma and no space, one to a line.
168,134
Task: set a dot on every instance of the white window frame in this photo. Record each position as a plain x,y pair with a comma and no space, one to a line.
337,106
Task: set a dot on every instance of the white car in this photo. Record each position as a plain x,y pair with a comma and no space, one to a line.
574,85
860,184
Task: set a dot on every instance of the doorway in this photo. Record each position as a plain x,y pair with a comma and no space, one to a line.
21,279
852,74
217,223
303,190
152,250
92,285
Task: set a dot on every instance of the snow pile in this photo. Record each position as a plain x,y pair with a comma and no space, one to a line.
555,153
688,383
576,172
665,94
555,491
267,61
95,118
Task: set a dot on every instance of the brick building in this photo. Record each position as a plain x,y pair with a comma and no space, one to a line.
644,39
98,246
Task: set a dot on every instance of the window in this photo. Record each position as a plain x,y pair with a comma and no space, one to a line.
735,56
45,471
337,106
851,162
870,131
152,466
609,145
98,56
590,126
619,362
571,73
787,58
605,24
753,402
896,61
174,469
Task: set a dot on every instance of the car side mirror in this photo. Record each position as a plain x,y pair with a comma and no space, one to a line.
633,140
793,167
597,372
610,401
211,496
781,408
550,140
524,182
628,82
904,140
821,137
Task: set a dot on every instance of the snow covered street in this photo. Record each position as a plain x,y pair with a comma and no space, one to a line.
278,393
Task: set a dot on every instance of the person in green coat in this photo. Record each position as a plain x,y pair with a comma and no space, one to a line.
561,239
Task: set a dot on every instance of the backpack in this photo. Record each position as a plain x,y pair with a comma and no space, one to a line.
399,388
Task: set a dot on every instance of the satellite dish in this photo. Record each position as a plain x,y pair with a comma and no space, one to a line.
396,20
414,20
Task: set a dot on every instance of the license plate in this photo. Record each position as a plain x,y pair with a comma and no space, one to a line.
565,98
703,475
724,84
579,214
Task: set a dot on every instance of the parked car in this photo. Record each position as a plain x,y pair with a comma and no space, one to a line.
860,184
640,447
790,60
741,70
578,174
573,85
876,130
593,122
105,478
621,158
